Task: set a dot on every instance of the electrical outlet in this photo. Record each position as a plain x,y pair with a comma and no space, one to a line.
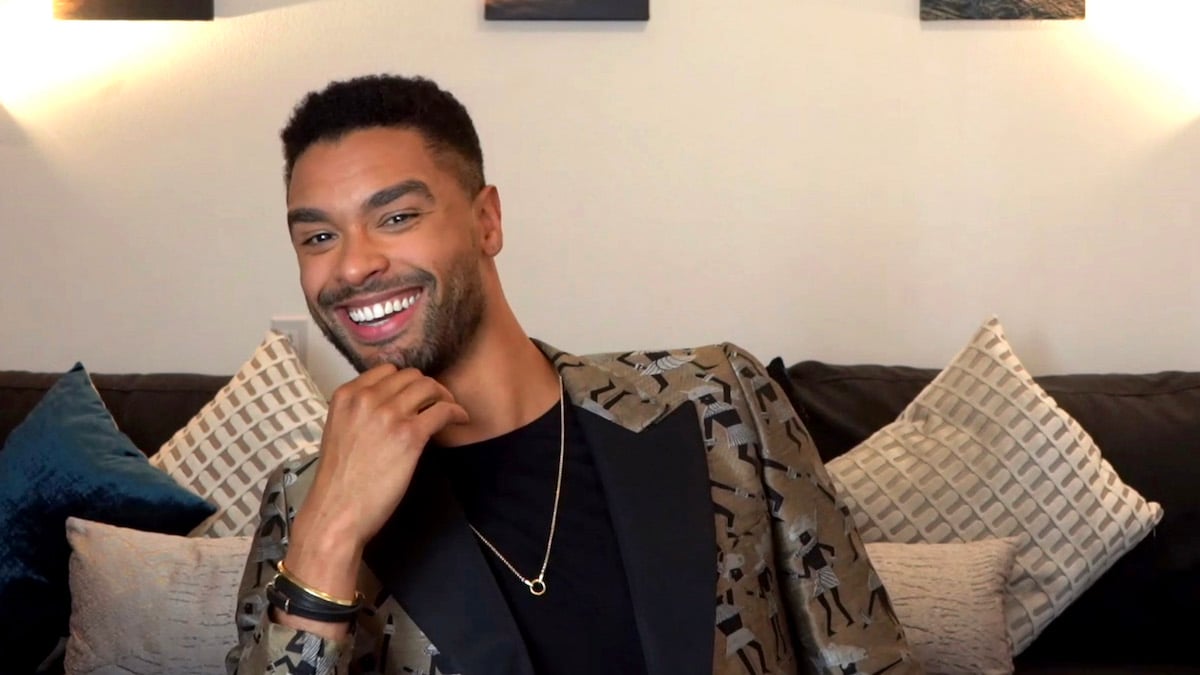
295,329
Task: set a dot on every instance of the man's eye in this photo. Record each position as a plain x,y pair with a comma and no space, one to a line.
399,219
318,238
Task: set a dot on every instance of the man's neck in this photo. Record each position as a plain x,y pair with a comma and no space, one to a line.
504,382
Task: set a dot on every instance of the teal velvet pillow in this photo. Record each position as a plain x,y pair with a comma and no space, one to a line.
67,458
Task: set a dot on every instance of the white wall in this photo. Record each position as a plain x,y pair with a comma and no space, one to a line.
809,178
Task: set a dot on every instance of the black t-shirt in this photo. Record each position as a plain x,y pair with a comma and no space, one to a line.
584,623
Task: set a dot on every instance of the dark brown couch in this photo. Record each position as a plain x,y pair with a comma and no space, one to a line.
148,408
1139,618
1142,615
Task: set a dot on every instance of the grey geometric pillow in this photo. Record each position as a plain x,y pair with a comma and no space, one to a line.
269,412
984,452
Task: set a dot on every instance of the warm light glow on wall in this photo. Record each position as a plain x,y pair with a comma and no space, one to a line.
40,56
1159,36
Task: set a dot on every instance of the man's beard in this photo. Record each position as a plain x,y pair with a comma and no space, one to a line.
451,318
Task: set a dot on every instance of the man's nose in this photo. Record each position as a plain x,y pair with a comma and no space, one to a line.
361,259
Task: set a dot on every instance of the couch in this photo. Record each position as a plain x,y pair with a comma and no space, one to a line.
1142,614
148,408
156,482
1138,618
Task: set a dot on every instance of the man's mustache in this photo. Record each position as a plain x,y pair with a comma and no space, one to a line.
335,296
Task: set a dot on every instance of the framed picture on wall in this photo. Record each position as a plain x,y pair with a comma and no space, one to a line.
567,10
940,10
127,10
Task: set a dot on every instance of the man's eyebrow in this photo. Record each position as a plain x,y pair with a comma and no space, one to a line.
379,199
390,194
305,215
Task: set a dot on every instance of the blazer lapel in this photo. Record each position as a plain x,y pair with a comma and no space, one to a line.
427,557
657,487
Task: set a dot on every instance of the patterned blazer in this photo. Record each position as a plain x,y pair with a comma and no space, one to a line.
693,447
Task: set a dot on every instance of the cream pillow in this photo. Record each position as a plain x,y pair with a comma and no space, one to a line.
145,603
984,452
950,600
271,411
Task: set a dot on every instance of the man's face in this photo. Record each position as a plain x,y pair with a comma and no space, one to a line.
388,247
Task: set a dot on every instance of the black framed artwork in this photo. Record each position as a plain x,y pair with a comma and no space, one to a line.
567,10
941,10
134,10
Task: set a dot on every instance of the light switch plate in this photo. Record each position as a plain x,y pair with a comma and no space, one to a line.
295,329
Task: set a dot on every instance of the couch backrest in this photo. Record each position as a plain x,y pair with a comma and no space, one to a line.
148,408
1144,609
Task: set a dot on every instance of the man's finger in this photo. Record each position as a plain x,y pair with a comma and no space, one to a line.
369,378
440,415
419,395
388,386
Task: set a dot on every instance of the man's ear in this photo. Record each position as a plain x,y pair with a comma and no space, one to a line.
487,214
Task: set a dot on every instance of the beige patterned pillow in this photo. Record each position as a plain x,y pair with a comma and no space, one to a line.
950,600
143,602
269,412
984,452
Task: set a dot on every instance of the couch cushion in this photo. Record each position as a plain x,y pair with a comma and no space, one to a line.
1147,426
67,458
270,411
982,452
174,616
950,600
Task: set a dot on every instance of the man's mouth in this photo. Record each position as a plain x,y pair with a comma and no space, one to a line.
378,313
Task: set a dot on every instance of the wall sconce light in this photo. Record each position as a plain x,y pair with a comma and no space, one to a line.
126,10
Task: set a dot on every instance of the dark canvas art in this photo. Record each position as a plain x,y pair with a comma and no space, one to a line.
935,10
593,10
125,10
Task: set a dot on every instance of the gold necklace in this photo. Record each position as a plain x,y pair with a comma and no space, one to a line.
537,585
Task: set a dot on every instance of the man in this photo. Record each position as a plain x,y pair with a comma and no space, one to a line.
485,503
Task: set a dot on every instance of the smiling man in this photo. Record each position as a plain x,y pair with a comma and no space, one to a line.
485,503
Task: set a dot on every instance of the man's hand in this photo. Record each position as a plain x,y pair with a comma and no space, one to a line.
377,427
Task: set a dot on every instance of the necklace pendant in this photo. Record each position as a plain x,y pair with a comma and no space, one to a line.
537,587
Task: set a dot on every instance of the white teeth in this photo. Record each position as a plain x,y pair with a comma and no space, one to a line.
381,309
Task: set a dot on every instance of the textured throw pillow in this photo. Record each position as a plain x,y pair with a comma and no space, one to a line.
174,614
950,600
983,452
269,412
67,458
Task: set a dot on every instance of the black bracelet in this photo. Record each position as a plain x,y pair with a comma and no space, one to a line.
289,598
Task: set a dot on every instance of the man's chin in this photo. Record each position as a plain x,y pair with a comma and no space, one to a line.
362,362
366,360
361,357
365,364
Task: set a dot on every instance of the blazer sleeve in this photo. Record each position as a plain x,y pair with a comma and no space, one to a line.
825,576
263,645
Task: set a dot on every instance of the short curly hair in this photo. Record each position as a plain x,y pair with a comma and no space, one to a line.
413,103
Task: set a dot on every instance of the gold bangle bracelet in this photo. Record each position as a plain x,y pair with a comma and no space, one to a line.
283,571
